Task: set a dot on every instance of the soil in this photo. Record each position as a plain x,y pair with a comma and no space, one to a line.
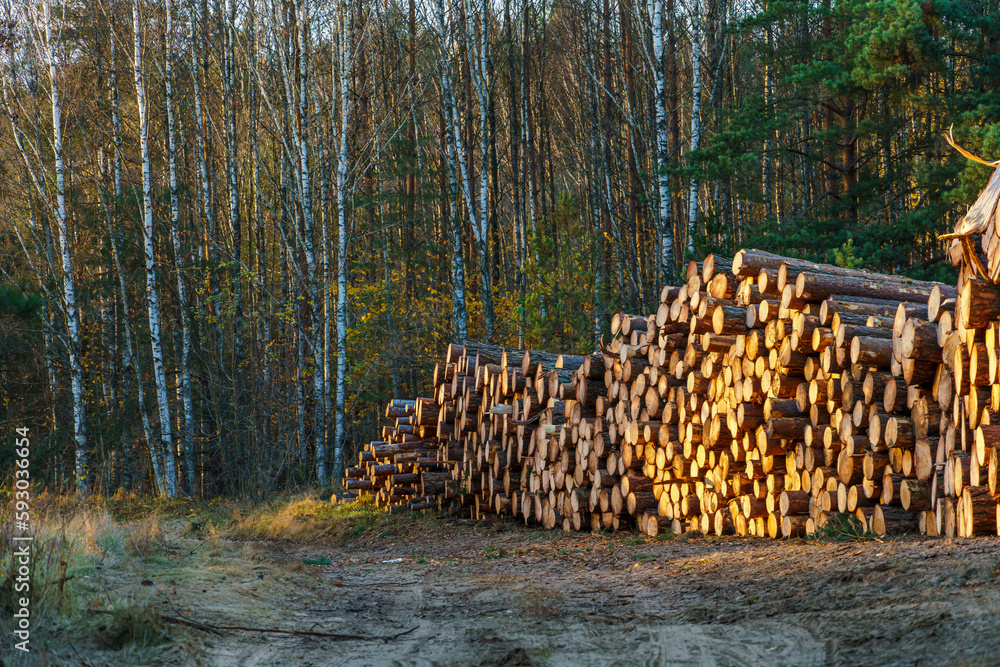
425,591
499,594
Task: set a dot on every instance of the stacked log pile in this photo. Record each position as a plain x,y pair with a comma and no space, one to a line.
764,397
782,417
405,468
963,486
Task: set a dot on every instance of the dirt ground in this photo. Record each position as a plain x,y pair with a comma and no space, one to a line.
504,595
434,592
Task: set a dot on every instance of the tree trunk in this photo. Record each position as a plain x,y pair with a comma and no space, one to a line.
69,289
345,111
184,381
666,231
695,117
152,295
454,151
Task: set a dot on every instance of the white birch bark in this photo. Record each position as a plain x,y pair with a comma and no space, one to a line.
201,152
128,355
459,316
69,289
478,48
262,256
152,296
766,170
116,117
324,196
666,226
526,143
195,67
44,265
232,185
184,381
695,116
345,61
300,396
48,316
305,194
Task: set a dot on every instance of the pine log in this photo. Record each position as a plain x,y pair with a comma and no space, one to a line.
819,286
873,352
915,494
979,304
938,303
894,521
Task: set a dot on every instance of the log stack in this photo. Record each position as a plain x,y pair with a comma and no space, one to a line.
536,449
765,396
775,418
405,468
962,488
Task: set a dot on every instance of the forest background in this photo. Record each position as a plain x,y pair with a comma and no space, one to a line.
231,230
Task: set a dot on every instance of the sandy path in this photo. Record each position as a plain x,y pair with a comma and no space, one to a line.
516,597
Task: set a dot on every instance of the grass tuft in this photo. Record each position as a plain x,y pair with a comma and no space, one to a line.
311,519
843,528
132,625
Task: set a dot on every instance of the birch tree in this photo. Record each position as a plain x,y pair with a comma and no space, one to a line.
306,205
69,290
201,150
131,369
453,152
184,378
666,225
477,45
344,64
152,295
695,117
116,117
232,185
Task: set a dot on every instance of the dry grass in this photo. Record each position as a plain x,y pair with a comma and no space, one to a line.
80,553
107,570
310,519
143,538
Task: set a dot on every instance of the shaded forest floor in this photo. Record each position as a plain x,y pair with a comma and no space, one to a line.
420,590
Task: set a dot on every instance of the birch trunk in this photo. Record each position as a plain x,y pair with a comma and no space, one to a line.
345,113
695,117
198,27
526,139
459,317
477,221
69,289
300,394
458,156
48,316
479,49
232,184
767,171
666,227
201,152
116,118
262,308
324,195
129,366
305,193
514,114
184,381
152,296
593,177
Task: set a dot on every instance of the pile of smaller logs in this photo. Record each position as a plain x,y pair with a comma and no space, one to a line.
404,468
